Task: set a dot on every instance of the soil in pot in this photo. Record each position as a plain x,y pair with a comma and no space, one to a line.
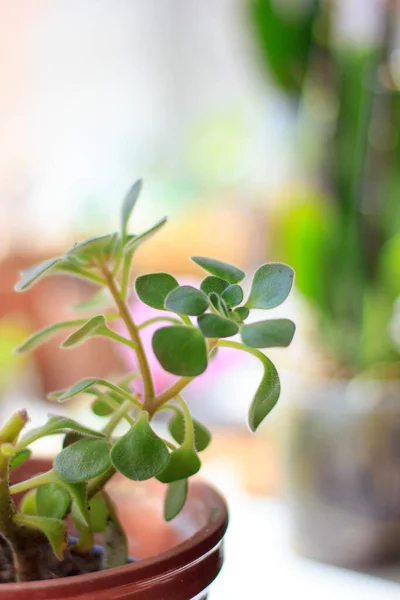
51,567
177,560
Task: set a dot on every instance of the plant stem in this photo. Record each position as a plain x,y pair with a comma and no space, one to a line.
175,389
117,417
239,346
189,427
133,332
113,335
115,406
8,435
98,483
157,319
168,394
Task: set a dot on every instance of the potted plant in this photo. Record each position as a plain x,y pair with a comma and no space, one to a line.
340,229
45,501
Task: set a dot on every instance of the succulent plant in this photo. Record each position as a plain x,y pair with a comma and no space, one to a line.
204,321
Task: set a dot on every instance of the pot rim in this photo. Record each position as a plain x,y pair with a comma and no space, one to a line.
182,555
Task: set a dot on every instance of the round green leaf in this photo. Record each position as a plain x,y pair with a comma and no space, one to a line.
175,498
181,350
154,288
183,463
220,269
213,284
83,460
28,503
240,314
176,426
233,295
216,326
101,409
187,300
52,500
268,334
267,394
139,454
271,286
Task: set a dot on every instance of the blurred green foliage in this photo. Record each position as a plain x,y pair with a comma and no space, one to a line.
341,230
12,332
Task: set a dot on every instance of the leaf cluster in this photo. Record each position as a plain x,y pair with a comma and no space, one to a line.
204,320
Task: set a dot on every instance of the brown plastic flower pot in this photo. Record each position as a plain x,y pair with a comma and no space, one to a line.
177,560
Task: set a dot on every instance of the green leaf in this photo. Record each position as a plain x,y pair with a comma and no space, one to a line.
31,275
216,326
175,498
180,350
77,491
142,237
154,288
213,284
28,503
57,424
233,295
72,266
78,494
219,304
129,204
240,314
139,454
77,388
220,269
54,529
71,438
45,334
95,326
83,460
19,457
52,500
176,426
183,463
187,300
84,385
100,300
268,334
267,394
98,247
98,512
271,285
101,408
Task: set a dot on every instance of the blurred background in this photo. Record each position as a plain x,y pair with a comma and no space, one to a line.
266,130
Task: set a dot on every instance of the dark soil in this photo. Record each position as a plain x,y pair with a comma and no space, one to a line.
50,566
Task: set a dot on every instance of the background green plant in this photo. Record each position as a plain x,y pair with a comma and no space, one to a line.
204,320
341,231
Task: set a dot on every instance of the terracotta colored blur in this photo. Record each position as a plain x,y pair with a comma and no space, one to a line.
178,560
